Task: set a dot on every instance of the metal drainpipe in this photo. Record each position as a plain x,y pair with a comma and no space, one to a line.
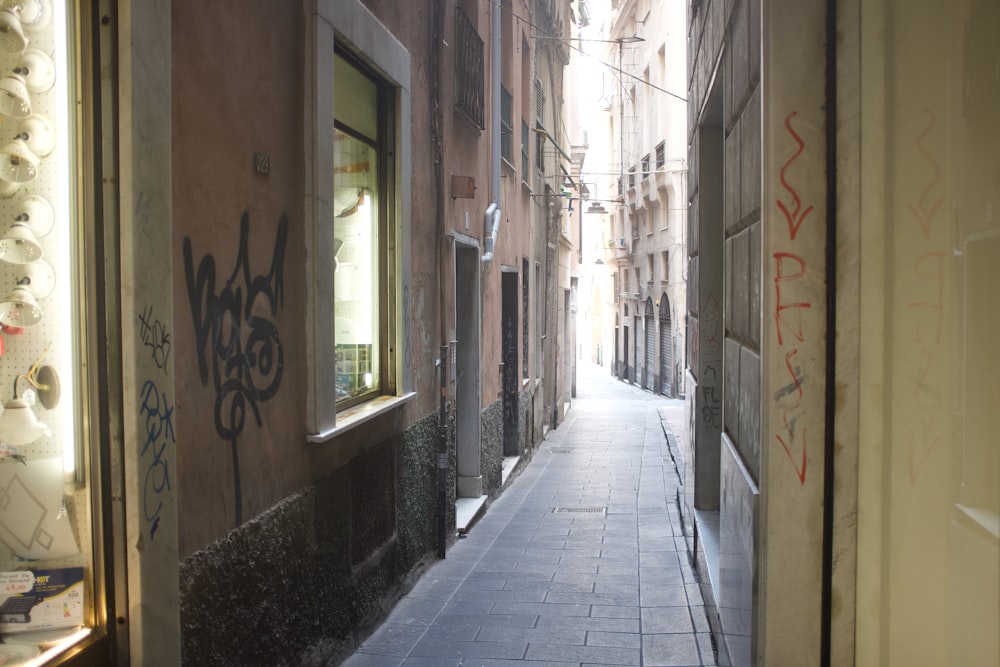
495,55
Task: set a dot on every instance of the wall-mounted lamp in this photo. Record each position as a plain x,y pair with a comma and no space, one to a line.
19,308
20,16
19,245
37,212
38,133
17,163
19,158
37,70
38,276
14,100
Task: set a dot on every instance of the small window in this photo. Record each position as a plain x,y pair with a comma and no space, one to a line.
525,150
665,265
506,124
540,148
469,68
539,101
645,165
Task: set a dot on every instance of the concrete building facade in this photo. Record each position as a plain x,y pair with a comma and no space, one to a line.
322,308
841,487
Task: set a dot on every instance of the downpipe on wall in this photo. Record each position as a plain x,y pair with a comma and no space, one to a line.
493,210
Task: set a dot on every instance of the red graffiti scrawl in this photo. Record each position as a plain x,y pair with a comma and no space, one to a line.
796,216
791,306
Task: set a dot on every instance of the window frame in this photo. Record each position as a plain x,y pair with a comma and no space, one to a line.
348,24
525,151
506,125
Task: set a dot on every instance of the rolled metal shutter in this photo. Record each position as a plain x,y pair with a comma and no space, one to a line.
666,349
650,351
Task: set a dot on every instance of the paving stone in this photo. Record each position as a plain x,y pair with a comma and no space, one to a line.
602,611
569,636
394,639
666,620
466,650
361,659
670,650
614,639
578,654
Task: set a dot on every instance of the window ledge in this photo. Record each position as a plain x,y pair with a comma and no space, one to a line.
359,414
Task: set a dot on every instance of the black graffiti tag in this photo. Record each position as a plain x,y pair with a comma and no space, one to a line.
237,343
155,336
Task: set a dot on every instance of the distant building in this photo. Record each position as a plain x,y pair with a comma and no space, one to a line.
638,165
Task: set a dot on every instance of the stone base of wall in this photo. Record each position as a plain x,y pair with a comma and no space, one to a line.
306,581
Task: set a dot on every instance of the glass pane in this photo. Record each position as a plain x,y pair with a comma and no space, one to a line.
356,108
46,520
356,287
929,504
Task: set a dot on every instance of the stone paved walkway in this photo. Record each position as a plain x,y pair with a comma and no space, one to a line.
579,562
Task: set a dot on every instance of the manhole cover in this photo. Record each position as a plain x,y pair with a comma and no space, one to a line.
590,510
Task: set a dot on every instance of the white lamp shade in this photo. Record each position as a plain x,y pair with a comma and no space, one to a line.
37,212
37,70
8,188
19,425
38,276
12,37
17,163
19,245
34,14
38,133
14,100
20,309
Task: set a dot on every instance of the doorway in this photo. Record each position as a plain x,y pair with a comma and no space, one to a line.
509,335
468,451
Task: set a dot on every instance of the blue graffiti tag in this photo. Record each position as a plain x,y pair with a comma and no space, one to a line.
159,433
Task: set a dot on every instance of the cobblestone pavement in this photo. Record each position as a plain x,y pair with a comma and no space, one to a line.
580,561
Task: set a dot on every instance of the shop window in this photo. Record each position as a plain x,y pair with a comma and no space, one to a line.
48,583
360,231
359,217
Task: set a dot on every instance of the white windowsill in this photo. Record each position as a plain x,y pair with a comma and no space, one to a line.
359,414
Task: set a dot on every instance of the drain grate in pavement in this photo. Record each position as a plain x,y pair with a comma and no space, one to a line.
560,450
589,510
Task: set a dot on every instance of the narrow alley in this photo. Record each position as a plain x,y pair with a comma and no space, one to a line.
579,562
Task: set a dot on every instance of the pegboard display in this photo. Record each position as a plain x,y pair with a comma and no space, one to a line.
46,519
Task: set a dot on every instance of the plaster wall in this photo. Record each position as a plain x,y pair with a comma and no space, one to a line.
260,506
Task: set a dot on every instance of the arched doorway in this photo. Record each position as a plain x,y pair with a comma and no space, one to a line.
666,349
